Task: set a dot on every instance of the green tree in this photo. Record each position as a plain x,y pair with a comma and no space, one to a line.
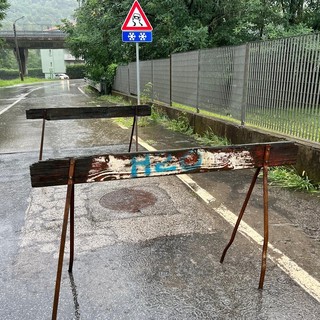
311,14
39,13
183,25
4,5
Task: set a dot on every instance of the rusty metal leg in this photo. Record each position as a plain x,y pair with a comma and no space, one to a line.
136,121
71,229
245,203
265,217
42,136
137,139
132,131
63,240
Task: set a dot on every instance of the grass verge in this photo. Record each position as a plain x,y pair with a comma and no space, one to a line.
204,112
289,178
27,80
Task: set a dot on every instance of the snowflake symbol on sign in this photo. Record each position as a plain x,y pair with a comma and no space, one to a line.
131,36
142,36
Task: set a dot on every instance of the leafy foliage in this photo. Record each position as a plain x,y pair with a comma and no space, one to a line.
8,60
4,5
75,71
182,25
289,178
9,74
39,12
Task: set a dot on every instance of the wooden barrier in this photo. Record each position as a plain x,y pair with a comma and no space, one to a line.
107,167
88,113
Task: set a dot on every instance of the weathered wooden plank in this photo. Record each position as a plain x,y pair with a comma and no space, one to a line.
159,163
88,112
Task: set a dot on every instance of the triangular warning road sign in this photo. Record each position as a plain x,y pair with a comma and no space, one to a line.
136,20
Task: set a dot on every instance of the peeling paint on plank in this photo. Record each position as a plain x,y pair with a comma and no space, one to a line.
115,168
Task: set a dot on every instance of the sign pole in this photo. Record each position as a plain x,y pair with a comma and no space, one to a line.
138,90
136,28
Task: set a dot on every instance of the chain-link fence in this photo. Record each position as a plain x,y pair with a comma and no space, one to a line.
272,84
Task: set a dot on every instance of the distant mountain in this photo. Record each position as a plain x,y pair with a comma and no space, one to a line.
39,12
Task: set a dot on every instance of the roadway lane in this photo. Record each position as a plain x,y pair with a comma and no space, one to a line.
157,261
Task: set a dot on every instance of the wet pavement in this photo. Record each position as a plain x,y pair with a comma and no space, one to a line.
145,248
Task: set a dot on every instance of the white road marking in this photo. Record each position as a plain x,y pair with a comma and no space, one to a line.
202,193
122,126
83,92
17,101
300,276
295,272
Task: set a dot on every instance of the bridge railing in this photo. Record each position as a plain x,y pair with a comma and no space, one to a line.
26,33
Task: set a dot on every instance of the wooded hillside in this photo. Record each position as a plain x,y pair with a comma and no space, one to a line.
47,12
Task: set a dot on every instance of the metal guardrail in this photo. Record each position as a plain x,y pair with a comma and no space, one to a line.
93,84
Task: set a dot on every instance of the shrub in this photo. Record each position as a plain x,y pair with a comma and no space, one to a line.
107,80
76,71
10,74
35,73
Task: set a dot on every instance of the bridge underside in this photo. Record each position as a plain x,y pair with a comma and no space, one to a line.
36,43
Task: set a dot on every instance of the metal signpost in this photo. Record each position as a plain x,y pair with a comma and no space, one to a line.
136,28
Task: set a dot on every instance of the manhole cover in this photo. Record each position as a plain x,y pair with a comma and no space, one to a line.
132,200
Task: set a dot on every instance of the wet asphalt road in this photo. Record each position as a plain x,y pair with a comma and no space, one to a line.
157,261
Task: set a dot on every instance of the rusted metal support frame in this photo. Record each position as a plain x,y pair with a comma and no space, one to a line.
134,127
265,209
44,116
71,229
244,206
132,132
68,205
265,216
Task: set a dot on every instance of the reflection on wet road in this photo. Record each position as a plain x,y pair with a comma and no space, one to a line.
13,98
19,135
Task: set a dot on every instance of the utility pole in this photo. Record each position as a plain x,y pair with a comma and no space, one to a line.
17,48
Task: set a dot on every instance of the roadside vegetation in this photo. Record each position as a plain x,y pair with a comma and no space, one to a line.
182,25
289,178
181,124
27,80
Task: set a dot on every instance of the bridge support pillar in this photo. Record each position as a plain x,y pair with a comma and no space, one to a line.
23,53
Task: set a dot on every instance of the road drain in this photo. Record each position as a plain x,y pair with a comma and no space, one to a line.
126,199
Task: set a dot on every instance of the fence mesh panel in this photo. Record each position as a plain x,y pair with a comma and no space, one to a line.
133,78
185,78
121,80
161,80
283,86
145,76
221,80
271,84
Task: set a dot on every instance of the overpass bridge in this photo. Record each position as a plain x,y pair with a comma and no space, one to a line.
45,39
51,39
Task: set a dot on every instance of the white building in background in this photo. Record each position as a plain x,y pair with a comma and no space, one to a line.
54,61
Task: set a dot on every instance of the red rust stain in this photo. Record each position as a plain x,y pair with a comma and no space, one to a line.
191,158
